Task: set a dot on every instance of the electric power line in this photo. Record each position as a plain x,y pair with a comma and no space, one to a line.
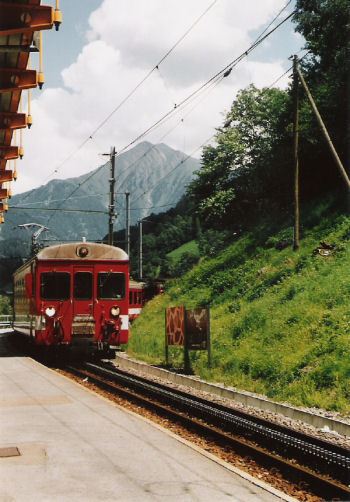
143,155
172,170
59,210
221,74
128,96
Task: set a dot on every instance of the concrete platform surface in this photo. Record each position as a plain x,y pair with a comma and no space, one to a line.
76,446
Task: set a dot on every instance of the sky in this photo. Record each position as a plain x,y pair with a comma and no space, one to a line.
105,48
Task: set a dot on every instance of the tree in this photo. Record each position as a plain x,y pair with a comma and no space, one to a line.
245,167
326,28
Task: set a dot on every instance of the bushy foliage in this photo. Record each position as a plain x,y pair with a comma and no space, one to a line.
176,268
325,24
161,233
211,242
239,174
5,305
249,172
7,268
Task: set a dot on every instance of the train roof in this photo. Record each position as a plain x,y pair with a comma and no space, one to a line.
92,251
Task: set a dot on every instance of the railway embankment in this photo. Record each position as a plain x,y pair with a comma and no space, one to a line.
280,318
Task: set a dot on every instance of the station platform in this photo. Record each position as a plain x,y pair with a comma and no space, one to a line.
61,442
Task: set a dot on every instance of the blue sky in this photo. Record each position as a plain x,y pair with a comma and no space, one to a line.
105,48
63,47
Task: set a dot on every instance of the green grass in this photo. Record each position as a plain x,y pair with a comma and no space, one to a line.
280,319
189,247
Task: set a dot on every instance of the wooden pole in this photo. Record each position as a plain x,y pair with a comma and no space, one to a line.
186,350
324,130
296,158
209,339
166,342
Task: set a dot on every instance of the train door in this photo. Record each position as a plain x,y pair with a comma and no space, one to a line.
83,291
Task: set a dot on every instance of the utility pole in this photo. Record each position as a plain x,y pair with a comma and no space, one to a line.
140,249
111,197
296,158
323,128
127,222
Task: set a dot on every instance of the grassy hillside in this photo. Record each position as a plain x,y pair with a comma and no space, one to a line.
280,319
189,247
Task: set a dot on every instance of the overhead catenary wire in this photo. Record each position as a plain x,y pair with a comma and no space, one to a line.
100,168
128,96
135,162
61,200
174,168
290,69
60,210
180,122
215,79
273,20
182,162
222,73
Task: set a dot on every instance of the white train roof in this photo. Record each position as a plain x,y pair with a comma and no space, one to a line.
91,251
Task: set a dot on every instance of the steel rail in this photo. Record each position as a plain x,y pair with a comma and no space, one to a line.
261,439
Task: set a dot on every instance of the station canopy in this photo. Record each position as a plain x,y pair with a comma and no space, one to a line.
21,24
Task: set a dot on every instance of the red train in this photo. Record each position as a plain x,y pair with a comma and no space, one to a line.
136,299
140,293
74,295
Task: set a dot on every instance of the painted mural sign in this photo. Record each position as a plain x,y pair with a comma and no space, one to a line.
187,328
175,326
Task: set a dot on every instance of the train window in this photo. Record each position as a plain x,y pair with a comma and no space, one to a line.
55,286
83,285
111,285
131,298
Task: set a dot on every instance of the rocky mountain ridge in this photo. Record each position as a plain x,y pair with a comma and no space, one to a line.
155,176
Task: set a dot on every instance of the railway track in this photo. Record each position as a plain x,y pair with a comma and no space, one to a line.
321,466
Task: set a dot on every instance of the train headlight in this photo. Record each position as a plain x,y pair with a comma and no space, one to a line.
83,251
115,311
50,311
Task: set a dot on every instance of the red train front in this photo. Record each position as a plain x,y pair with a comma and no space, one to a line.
74,295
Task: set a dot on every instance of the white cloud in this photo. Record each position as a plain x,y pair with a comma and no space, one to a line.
126,39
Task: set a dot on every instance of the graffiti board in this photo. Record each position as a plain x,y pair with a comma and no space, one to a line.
175,326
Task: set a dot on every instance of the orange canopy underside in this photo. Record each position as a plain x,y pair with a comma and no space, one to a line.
19,20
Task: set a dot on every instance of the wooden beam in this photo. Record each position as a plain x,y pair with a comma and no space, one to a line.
9,152
12,120
12,79
6,175
4,193
21,18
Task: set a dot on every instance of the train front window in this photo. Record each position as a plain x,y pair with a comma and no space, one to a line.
111,285
55,286
83,285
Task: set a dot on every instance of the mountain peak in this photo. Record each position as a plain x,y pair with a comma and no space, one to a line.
154,175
